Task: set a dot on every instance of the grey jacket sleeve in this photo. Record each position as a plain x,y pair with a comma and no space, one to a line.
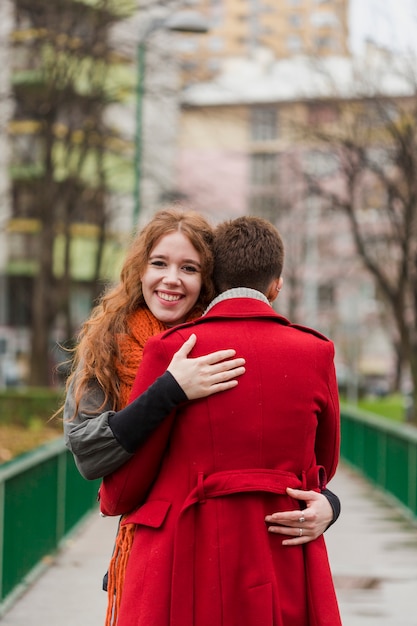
88,435
102,442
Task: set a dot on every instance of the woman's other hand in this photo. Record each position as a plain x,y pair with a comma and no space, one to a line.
204,375
302,525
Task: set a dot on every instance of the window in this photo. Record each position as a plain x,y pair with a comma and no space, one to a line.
25,58
214,65
322,114
325,43
186,45
379,157
374,201
320,164
265,205
26,149
24,199
217,13
265,31
376,115
295,20
267,8
264,169
189,66
23,246
264,124
322,19
80,304
326,295
19,300
294,43
215,44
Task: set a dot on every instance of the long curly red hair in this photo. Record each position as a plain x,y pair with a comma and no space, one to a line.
97,348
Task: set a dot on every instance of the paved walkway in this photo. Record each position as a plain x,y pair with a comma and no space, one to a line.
372,549
373,554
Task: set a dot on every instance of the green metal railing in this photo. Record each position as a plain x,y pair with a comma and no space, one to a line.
42,499
385,452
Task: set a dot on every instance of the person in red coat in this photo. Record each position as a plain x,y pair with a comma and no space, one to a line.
202,554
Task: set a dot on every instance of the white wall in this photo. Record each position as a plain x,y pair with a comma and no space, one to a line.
6,23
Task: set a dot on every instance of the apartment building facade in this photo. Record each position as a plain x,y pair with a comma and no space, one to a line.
247,145
278,28
76,111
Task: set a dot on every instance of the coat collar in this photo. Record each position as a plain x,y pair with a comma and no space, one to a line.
242,307
238,292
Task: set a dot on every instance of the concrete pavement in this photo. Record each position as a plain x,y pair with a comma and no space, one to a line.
372,551
69,592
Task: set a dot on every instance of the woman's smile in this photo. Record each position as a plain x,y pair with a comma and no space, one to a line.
169,297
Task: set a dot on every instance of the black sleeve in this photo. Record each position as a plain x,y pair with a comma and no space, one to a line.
334,503
132,425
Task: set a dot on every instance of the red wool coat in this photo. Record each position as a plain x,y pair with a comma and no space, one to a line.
202,555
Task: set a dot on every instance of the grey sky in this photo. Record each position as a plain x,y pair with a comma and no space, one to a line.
392,23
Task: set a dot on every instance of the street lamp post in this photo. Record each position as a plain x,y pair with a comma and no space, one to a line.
184,22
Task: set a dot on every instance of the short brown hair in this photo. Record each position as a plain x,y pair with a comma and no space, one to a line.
248,252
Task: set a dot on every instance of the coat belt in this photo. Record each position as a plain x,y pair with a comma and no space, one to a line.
220,484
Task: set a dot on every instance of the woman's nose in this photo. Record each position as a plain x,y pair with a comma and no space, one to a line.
172,276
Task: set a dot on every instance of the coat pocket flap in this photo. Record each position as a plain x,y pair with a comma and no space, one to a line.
152,513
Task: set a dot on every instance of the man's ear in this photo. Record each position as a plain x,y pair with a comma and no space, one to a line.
274,289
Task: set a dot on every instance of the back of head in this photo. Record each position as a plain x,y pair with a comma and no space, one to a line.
248,252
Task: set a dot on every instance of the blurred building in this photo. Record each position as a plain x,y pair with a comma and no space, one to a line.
247,143
68,134
282,28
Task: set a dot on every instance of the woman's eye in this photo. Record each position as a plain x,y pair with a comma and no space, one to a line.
157,263
190,268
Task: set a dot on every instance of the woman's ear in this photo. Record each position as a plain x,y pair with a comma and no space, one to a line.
274,289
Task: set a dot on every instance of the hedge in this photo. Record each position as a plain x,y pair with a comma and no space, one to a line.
22,406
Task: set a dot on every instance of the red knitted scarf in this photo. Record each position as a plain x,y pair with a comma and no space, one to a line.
142,324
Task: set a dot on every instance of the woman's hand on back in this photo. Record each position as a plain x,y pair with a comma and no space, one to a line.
302,526
204,375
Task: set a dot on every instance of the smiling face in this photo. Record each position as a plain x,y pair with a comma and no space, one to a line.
171,282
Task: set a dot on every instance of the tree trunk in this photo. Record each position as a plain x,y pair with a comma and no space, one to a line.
399,362
42,314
